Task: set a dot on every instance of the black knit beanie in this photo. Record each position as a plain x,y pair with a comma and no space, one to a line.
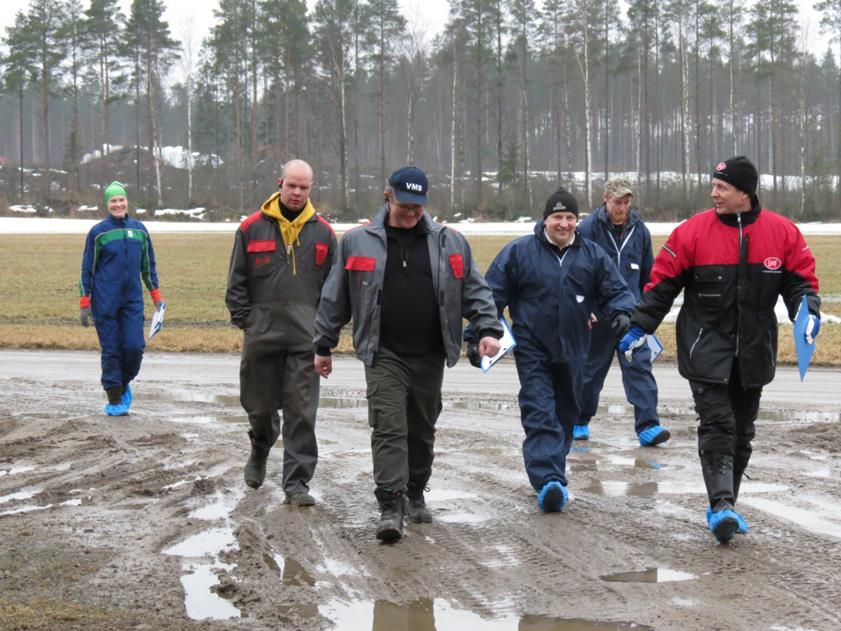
739,172
560,201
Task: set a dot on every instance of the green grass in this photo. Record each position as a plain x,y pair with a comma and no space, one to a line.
40,273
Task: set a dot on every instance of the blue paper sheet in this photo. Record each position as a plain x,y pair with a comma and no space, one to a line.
804,350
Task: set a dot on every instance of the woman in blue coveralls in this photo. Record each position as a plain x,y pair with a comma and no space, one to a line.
118,253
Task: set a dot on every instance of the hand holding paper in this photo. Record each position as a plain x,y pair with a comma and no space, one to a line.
631,341
157,320
505,344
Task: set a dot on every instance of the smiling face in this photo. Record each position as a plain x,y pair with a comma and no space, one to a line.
118,206
403,216
560,227
728,199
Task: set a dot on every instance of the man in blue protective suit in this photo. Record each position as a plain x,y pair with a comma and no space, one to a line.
620,231
551,282
118,254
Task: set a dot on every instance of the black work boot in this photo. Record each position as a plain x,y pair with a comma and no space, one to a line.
718,478
392,507
255,468
418,513
740,463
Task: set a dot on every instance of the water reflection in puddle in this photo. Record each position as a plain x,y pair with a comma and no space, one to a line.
17,469
652,575
426,614
201,603
341,402
445,495
819,516
619,488
802,416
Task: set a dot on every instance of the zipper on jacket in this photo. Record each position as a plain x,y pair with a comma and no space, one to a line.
697,339
739,284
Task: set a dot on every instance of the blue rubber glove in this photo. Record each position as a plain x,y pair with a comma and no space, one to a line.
813,326
632,340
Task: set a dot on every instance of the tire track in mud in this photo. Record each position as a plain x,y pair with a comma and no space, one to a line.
488,551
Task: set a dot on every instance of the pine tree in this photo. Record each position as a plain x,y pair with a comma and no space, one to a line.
386,27
149,45
19,69
102,29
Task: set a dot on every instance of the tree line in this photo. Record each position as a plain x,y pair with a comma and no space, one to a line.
511,99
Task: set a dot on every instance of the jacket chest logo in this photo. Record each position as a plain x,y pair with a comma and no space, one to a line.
772,263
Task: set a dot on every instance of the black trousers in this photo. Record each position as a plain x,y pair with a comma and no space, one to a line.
404,401
727,415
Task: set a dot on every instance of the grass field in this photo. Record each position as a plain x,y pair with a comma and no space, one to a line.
39,308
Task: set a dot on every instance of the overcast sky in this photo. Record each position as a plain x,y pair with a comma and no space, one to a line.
428,16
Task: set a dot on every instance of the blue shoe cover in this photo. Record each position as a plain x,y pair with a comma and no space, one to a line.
581,432
724,524
552,497
653,436
127,397
743,524
116,409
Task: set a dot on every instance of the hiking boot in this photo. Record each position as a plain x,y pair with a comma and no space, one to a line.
255,468
653,436
299,498
417,512
724,524
392,507
581,432
552,497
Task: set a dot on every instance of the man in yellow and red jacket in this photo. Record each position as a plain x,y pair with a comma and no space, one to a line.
280,260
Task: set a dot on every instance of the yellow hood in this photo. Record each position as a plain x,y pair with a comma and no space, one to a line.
289,230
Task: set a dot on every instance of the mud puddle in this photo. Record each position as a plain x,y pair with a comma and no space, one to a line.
145,520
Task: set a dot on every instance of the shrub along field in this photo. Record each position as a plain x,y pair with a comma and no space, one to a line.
39,306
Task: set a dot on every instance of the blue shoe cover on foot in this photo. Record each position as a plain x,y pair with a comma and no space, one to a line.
581,432
116,409
653,436
552,497
127,397
743,524
724,524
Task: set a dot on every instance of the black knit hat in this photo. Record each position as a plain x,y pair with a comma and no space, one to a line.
739,172
560,201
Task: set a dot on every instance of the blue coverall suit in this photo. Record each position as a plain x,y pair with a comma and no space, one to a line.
550,294
118,253
634,258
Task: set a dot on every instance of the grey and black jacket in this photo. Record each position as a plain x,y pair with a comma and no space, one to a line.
353,289
273,291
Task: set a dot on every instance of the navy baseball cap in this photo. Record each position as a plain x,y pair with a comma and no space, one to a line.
410,185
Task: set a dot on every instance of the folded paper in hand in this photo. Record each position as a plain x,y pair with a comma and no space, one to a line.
506,343
804,349
157,321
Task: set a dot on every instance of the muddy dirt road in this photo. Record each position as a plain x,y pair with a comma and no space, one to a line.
144,522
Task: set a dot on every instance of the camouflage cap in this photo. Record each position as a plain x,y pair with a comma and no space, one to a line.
618,187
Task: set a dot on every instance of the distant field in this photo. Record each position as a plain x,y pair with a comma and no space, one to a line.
39,306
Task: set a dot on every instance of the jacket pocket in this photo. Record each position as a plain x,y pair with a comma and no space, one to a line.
709,284
457,265
267,245
371,395
360,263
320,253
261,265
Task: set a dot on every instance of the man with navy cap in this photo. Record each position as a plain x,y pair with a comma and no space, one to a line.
732,262
407,282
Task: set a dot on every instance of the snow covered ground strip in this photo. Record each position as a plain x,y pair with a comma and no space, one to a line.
39,225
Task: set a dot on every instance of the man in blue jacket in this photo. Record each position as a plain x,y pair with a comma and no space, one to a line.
551,282
620,231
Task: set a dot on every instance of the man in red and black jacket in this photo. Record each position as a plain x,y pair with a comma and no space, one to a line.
281,257
732,261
